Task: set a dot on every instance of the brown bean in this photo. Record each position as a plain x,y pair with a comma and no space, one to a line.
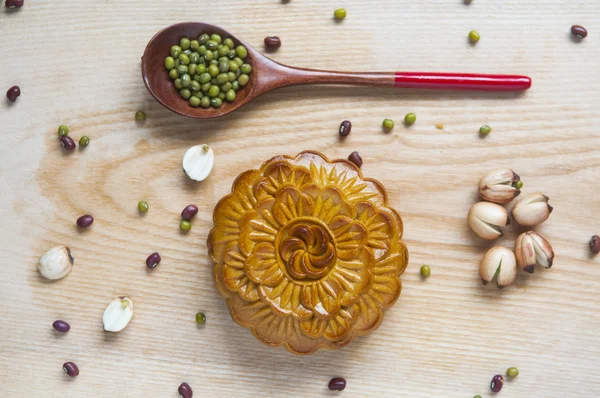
85,221
153,260
579,31
14,3
595,244
356,159
345,128
189,212
68,143
13,93
272,42
337,384
70,369
185,390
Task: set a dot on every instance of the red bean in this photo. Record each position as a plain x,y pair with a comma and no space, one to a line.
189,212
13,93
85,221
356,159
497,383
14,3
579,31
345,128
71,369
337,384
595,244
185,390
68,143
272,42
61,326
153,260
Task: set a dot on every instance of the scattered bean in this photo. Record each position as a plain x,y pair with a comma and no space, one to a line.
14,3
512,372
272,42
185,390
84,141
63,130
356,159
388,124
71,369
595,244
61,326
485,129
13,93
153,260
519,184
140,115
188,212
425,271
85,221
200,318
345,128
339,14
143,206
410,118
497,383
185,225
439,126
477,396
337,384
68,143
474,36
579,31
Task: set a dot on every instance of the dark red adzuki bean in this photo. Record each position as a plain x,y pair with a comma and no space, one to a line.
68,143
71,369
13,93
185,390
61,326
337,384
595,244
189,212
153,260
356,159
272,42
497,383
345,128
579,31
14,3
85,221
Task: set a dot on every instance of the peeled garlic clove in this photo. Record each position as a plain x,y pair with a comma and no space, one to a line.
198,162
498,262
532,248
532,210
56,263
499,186
485,219
118,314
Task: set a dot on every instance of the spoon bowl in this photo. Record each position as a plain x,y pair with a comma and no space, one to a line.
269,75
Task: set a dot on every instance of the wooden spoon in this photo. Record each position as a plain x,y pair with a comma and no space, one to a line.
269,75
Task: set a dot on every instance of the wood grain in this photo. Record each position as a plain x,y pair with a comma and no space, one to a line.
78,63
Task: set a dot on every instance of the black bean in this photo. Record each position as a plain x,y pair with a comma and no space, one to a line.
356,159
153,260
345,128
185,390
68,143
85,221
595,244
337,384
70,369
579,31
189,212
14,3
13,93
272,42
497,383
61,326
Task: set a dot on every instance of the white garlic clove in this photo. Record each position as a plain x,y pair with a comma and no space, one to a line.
198,162
532,248
499,186
118,314
56,263
485,219
532,210
498,262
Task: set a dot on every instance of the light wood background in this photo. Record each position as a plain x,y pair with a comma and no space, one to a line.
78,63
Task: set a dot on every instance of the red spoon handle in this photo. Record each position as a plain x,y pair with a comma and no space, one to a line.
461,81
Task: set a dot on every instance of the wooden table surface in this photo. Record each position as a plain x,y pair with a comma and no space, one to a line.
78,63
